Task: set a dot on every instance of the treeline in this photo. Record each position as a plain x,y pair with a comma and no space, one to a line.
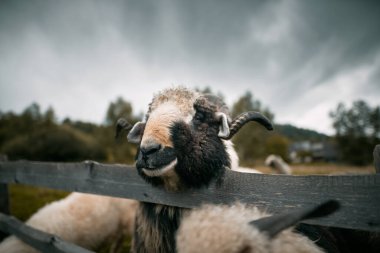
357,131
37,135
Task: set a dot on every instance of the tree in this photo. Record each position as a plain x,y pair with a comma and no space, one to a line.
49,116
54,143
117,151
357,131
374,120
277,144
119,108
251,139
32,112
247,102
38,136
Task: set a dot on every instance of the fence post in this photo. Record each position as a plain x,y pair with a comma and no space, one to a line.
4,198
376,158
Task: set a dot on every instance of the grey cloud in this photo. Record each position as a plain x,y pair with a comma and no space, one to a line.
279,50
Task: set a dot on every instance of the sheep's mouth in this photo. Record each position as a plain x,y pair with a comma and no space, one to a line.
158,172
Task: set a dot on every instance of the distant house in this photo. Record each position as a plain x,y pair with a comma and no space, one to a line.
306,151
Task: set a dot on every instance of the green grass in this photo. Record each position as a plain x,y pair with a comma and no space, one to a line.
26,200
126,247
323,169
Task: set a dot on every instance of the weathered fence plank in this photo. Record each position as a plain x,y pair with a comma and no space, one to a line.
4,205
4,199
358,195
4,196
376,158
39,240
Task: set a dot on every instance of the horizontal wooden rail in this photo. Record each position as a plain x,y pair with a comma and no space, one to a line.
358,194
39,240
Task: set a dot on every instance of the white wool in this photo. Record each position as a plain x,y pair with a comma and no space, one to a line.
226,229
83,219
232,154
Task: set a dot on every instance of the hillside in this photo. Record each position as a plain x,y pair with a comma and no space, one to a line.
299,134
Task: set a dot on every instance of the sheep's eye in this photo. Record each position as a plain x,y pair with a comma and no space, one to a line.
199,116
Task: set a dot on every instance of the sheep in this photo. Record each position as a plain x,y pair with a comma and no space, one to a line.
277,163
183,143
245,229
273,161
83,219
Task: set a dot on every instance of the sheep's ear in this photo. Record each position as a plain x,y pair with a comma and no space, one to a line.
224,129
273,225
136,133
121,125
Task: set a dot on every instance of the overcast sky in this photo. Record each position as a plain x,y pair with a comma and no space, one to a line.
300,58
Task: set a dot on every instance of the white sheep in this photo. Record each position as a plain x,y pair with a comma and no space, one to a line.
83,219
245,229
184,142
273,161
277,163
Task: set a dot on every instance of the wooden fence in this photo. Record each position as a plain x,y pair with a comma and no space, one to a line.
359,195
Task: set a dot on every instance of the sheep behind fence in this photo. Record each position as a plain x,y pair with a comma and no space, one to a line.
184,146
358,194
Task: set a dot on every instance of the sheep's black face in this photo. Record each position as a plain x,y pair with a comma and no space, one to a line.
182,150
201,154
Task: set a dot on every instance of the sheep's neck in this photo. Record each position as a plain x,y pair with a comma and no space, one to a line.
155,228
171,181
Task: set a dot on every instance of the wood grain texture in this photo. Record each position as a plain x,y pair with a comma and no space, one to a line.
39,240
358,194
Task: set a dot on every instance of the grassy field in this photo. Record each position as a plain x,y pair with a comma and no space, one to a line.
323,169
26,200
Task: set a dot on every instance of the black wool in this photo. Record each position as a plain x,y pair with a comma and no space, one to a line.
201,154
165,223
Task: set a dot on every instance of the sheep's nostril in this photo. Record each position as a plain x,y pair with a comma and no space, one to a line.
149,150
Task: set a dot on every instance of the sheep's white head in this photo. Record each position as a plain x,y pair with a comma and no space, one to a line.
183,138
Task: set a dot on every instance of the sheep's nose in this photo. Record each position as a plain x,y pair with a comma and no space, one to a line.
150,149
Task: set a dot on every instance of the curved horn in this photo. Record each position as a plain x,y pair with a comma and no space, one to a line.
246,117
121,125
